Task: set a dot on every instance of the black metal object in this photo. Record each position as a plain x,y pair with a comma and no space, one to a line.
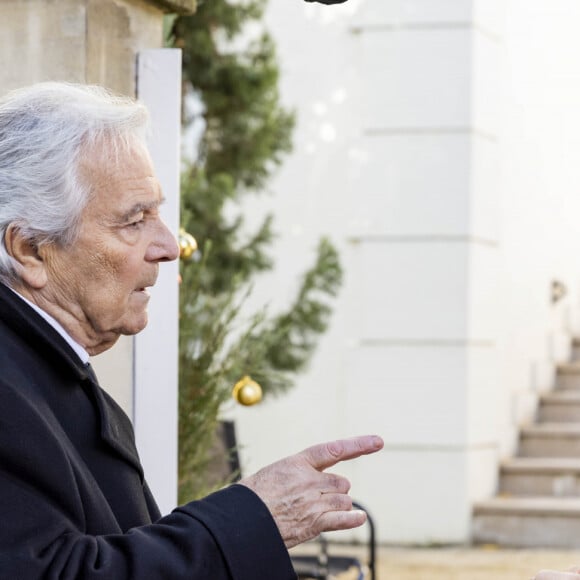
323,565
327,1
227,433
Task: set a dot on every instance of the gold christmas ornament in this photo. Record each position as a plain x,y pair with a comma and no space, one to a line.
187,245
247,392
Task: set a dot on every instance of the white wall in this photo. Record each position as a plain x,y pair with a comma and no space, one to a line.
437,146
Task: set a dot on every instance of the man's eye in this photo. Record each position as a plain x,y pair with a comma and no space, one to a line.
136,222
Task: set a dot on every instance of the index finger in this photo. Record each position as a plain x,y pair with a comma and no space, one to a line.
328,454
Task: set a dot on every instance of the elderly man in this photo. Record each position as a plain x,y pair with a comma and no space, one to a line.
81,242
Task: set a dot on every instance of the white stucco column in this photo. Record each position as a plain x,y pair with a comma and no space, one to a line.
424,261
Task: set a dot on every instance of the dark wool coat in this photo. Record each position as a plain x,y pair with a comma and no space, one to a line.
73,500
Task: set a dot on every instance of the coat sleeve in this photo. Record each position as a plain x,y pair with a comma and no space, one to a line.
229,535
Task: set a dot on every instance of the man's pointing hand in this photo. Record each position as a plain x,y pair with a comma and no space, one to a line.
303,499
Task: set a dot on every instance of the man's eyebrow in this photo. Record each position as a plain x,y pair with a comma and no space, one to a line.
142,206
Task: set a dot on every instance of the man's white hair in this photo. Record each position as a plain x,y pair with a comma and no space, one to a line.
46,131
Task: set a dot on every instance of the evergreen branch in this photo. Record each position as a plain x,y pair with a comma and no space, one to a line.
295,332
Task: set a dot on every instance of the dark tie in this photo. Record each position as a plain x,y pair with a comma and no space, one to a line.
91,373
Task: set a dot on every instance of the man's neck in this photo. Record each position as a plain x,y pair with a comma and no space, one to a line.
81,352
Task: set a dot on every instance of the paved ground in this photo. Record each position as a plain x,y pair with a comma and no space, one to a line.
469,564
486,563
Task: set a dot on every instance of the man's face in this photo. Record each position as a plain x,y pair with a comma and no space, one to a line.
99,284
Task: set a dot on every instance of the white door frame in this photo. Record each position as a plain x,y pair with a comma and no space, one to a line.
155,362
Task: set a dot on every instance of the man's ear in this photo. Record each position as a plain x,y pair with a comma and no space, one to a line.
32,268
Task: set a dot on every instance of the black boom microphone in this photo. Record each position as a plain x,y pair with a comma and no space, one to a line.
327,1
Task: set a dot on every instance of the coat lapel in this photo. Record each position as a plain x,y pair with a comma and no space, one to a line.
116,428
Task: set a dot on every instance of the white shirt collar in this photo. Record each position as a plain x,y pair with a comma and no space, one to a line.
81,352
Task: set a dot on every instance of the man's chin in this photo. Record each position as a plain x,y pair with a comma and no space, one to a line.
136,325
109,339
129,327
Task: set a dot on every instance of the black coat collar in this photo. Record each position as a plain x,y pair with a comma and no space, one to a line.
115,427
40,335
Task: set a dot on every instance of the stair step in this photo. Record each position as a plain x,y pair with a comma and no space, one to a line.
568,375
528,522
550,440
539,501
560,406
575,349
541,476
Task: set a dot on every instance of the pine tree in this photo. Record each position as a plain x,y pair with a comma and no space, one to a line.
233,77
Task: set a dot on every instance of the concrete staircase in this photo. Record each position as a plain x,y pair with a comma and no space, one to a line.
538,504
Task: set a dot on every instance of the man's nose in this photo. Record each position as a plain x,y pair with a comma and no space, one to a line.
165,247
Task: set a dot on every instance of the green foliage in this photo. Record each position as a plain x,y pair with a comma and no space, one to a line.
247,132
233,78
